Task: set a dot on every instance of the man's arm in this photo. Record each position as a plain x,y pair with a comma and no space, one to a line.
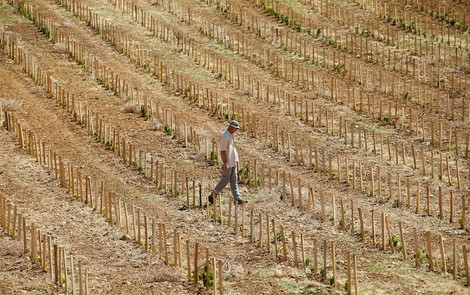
223,145
223,155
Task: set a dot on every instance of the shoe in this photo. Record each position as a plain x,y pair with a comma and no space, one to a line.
210,199
240,201
183,208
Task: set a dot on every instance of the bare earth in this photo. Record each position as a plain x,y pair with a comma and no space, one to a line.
117,264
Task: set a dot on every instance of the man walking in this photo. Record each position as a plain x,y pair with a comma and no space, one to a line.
229,156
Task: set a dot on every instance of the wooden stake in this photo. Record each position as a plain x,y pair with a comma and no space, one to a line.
440,204
275,237
72,275
315,256
165,244
324,259
13,228
196,253
451,211
415,238
56,266
333,261
361,223
418,196
2,211
251,225
448,171
86,282
154,246
333,204
356,287
348,267
175,247
343,220
284,248
214,272
382,215
443,255
243,220
390,236
462,220
25,240
454,260
268,235
188,260
373,227
80,278
294,246
49,247
260,240
220,275
33,242
430,257
465,263
146,235
302,250
229,217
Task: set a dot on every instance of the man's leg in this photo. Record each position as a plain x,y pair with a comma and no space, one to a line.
234,184
224,180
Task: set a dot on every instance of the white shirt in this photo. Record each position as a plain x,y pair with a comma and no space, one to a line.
226,143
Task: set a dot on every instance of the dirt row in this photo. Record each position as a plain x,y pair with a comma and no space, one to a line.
81,232
119,177
138,125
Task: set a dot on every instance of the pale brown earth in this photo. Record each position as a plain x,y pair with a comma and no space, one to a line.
117,264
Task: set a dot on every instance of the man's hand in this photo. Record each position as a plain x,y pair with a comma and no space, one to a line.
225,167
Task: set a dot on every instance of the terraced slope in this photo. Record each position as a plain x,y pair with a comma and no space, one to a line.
355,143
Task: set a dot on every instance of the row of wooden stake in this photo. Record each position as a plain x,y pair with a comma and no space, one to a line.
306,49
359,135
39,150
220,218
13,124
390,115
95,195
137,234
422,26
111,207
44,250
292,71
339,173
390,118
339,15
140,157
61,165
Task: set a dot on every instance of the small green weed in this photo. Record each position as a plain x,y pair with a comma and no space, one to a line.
214,158
346,286
308,261
167,129
407,96
207,277
332,280
419,255
144,111
395,241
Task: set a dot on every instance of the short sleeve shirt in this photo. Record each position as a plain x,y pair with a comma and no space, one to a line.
226,143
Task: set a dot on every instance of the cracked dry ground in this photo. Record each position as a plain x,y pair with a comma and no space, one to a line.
118,265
